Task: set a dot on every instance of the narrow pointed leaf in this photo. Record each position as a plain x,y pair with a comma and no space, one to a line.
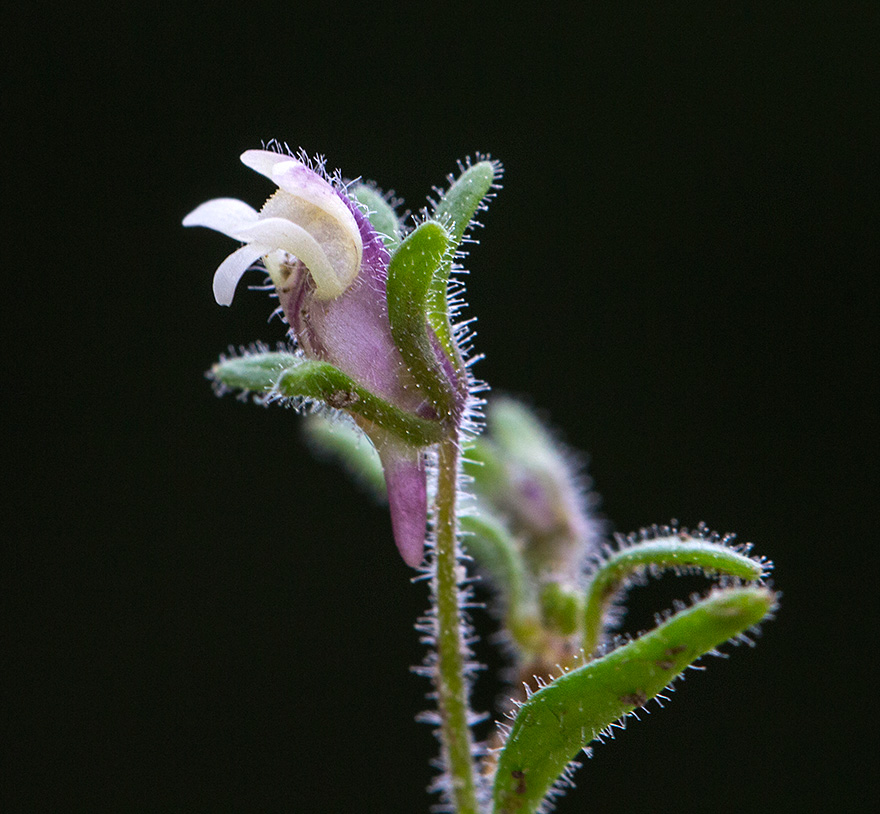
410,273
292,377
674,551
456,210
559,720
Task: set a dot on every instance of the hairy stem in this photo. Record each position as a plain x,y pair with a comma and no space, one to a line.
452,684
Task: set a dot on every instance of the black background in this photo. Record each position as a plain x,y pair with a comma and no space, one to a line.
203,618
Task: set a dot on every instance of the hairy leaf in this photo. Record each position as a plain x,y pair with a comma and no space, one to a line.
672,551
293,377
558,721
456,209
410,273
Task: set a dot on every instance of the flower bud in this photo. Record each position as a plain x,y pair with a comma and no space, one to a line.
528,478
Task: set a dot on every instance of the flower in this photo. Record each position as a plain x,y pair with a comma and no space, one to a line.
306,218
329,268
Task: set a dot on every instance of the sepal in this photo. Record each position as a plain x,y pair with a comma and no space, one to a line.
465,196
410,272
456,209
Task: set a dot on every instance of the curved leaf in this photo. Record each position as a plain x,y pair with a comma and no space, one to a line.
561,719
293,377
672,551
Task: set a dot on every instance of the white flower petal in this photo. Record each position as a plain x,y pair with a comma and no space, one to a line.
308,219
226,215
262,161
232,268
307,185
331,279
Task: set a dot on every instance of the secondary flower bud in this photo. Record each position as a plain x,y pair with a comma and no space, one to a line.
526,476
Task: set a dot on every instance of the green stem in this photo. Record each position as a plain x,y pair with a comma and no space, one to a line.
452,685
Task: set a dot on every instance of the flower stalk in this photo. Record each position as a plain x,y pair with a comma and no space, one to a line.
451,674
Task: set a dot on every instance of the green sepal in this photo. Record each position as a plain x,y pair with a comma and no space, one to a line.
672,551
293,377
380,213
410,273
349,445
556,722
458,205
456,209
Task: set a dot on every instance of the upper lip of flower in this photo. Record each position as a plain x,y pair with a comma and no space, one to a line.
305,218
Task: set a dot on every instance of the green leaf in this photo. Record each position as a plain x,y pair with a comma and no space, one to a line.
293,377
559,720
410,272
255,372
496,553
350,446
456,210
380,213
673,551
459,204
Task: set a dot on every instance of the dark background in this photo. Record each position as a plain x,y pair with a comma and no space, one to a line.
203,618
